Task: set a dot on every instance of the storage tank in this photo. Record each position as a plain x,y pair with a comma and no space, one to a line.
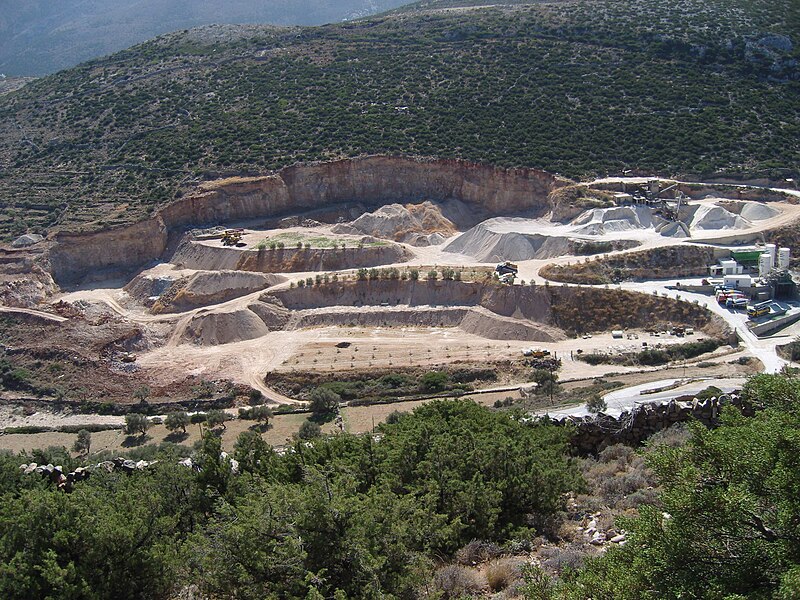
764,264
784,257
772,250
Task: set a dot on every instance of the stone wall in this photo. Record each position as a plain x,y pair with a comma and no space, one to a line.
593,434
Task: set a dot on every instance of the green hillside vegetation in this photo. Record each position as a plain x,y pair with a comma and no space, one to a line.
728,519
574,87
345,513
391,516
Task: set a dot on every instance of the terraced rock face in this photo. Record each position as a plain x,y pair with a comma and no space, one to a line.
494,312
373,181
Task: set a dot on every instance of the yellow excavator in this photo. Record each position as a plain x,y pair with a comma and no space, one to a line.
231,237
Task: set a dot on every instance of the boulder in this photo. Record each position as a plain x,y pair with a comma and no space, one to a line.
29,239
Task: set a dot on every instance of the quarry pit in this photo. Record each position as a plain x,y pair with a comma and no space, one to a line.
380,264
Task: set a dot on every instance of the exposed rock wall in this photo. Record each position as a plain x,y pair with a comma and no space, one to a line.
24,282
73,256
372,180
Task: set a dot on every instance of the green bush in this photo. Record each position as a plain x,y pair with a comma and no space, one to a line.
434,381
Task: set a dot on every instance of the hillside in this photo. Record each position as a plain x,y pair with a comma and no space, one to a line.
39,37
577,87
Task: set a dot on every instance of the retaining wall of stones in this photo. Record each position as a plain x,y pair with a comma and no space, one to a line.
593,434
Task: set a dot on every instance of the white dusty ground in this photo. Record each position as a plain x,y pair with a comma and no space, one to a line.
249,360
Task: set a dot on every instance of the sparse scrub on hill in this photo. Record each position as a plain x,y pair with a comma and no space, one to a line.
586,310
712,92
662,263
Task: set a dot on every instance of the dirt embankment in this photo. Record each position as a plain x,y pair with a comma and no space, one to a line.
658,263
200,289
569,201
548,309
588,310
196,255
373,180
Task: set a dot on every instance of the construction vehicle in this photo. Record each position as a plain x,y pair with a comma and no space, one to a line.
231,237
508,278
739,303
535,353
759,310
505,268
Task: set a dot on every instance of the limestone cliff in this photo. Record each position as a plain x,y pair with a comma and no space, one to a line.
373,180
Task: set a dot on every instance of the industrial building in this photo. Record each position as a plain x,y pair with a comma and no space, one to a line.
756,268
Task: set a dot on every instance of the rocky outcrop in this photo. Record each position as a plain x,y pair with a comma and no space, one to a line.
24,280
593,434
373,180
82,256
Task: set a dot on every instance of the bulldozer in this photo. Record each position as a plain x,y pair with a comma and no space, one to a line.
231,237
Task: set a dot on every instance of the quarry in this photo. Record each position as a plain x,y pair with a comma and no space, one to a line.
267,286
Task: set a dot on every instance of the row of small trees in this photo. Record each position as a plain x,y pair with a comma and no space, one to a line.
279,245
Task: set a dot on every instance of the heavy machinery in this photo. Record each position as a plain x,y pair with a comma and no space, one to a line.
231,237
505,268
759,310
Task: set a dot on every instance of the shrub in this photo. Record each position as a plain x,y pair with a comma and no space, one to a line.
256,413
455,581
434,381
477,551
596,405
394,416
324,401
255,397
216,418
83,443
500,574
559,560
309,430
204,389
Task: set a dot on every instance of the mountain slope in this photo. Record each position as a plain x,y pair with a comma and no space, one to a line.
42,36
577,87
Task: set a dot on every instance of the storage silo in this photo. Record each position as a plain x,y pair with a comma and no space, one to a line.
772,250
784,257
764,264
